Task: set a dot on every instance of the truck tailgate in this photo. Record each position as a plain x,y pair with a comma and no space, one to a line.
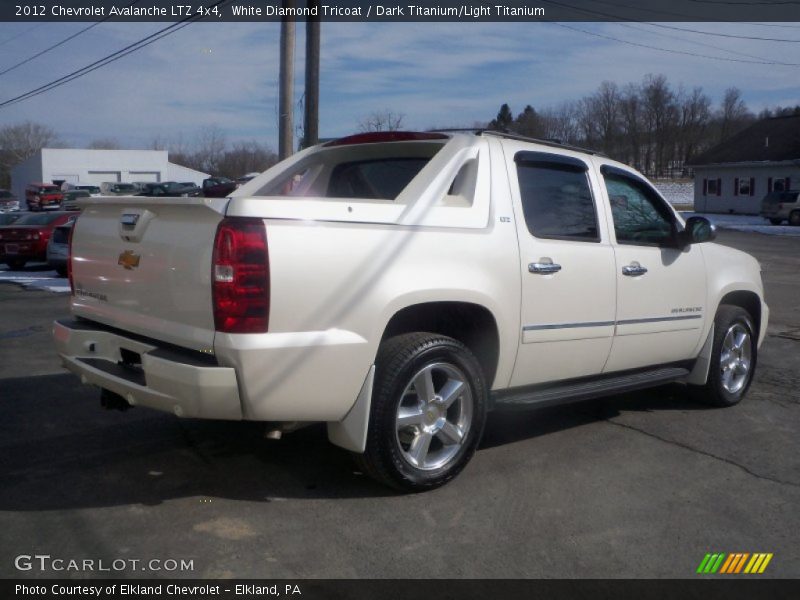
144,265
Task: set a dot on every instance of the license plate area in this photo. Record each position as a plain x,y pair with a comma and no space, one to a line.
12,248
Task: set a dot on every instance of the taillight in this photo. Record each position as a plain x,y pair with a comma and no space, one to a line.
240,276
69,258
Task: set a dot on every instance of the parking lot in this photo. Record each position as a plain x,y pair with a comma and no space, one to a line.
637,485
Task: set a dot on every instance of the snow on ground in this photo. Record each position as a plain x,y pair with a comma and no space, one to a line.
38,280
676,192
751,223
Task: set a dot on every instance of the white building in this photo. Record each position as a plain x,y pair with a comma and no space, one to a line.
734,176
93,167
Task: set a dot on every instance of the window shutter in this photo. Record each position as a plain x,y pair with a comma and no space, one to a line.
705,187
752,186
788,184
736,186
769,184
719,186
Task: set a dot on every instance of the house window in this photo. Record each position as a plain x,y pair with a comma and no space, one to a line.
712,188
744,186
779,185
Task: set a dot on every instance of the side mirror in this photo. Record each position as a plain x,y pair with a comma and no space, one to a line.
698,230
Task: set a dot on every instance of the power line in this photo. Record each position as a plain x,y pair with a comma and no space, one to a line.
64,41
694,54
624,19
20,34
683,39
138,45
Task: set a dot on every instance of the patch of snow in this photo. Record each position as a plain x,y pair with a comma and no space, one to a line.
750,223
40,280
676,192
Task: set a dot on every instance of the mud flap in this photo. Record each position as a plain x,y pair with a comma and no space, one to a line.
351,432
699,374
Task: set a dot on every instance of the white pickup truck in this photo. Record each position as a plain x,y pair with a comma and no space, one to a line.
398,286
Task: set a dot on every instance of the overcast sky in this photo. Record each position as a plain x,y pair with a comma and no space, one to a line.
451,74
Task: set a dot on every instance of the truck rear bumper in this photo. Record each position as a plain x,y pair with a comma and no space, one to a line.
185,383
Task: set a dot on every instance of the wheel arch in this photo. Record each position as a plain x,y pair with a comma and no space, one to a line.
749,301
472,324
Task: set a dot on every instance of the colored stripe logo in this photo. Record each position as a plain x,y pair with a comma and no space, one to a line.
733,564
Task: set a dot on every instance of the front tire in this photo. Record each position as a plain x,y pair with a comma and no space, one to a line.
733,358
428,412
776,221
794,218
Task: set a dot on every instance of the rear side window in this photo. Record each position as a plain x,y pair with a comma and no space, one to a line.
381,179
556,197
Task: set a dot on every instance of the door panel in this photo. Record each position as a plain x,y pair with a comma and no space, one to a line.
567,270
661,289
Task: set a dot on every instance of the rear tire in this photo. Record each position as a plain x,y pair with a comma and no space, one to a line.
794,218
776,221
733,358
16,264
62,271
428,410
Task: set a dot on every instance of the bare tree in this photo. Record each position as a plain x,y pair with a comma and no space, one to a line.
209,149
381,120
104,144
732,114
20,142
246,157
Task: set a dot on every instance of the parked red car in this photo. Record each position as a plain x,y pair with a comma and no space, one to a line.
218,187
26,240
43,196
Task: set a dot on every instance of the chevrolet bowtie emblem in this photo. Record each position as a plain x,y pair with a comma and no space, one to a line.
129,259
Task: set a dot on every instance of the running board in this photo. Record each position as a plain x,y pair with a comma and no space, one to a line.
575,391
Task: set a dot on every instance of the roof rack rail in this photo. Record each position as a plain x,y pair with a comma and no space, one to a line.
515,136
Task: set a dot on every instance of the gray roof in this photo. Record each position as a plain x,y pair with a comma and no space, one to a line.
770,140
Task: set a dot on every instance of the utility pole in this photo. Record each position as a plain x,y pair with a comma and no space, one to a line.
286,85
311,115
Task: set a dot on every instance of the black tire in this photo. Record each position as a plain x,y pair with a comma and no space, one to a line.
794,218
391,446
722,389
776,221
62,271
16,264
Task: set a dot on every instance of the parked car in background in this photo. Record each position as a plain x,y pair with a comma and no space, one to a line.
8,202
170,189
43,196
218,187
245,178
93,190
9,217
58,248
153,190
26,239
118,189
781,206
71,197
187,188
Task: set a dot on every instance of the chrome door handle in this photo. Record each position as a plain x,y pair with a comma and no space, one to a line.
543,268
634,270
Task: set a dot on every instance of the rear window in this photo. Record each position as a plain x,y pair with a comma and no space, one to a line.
381,179
48,189
378,171
38,219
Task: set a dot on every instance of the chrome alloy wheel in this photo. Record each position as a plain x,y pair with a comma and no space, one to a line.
735,358
434,416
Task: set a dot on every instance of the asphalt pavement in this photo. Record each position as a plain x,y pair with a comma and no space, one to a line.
637,485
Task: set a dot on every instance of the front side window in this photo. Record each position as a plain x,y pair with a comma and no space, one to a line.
640,215
556,198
